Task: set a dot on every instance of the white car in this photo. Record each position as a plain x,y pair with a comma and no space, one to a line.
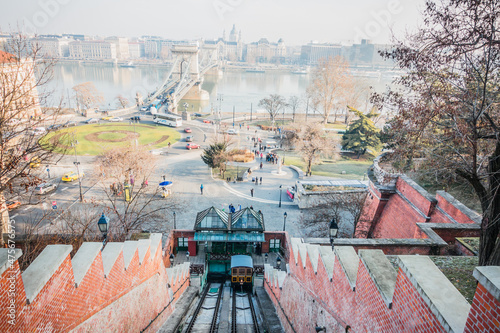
45,188
232,131
92,121
116,119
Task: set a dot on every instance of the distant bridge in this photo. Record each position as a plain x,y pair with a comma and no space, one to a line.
186,74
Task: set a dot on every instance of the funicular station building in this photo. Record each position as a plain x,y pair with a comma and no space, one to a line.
218,235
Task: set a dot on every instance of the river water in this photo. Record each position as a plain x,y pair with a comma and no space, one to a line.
239,89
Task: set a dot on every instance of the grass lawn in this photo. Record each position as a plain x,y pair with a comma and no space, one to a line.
354,168
94,139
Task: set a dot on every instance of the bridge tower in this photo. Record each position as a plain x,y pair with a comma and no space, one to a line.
188,60
188,69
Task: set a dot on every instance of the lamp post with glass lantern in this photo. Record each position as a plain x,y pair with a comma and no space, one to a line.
103,225
278,262
334,229
175,226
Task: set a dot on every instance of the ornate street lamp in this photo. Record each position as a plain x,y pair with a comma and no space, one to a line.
334,229
278,262
103,225
174,222
284,220
171,259
265,257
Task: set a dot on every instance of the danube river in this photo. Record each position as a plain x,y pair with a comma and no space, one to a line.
239,89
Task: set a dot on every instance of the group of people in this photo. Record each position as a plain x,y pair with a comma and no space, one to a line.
116,189
232,209
272,158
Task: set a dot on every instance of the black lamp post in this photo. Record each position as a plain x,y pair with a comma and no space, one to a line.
103,225
171,259
280,195
284,220
265,257
187,255
175,227
334,229
278,262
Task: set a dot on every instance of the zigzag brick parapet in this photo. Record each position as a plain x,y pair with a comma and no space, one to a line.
362,291
124,288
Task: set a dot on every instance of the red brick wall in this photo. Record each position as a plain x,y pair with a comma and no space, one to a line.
398,220
484,315
307,299
128,299
451,210
416,198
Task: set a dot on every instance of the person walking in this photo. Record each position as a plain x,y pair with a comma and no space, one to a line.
260,180
261,165
201,189
251,192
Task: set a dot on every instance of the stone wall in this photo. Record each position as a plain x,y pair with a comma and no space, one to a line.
124,288
340,289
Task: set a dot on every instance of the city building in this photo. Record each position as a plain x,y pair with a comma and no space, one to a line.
265,52
92,49
230,49
313,52
51,46
136,49
121,46
18,82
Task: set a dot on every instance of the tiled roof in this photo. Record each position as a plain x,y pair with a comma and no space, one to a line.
7,57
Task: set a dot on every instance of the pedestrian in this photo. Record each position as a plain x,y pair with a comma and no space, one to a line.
239,206
251,207
261,155
251,193
240,126
248,127
201,189
261,165
260,180
204,137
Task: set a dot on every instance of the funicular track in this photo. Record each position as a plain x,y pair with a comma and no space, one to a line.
213,326
235,310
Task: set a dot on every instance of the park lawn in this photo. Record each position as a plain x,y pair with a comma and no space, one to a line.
354,168
339,126
151,137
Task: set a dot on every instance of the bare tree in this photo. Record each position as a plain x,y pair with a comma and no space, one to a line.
294,103
23,96
122,101
87,95
273,104
311,141
331,86
132,202
342,206
449,103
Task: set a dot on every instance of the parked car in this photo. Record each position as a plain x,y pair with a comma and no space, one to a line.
54,127
12,204
92,121
71,176
38,131
144,108
187,130
198,115
206,121
45,188
69,123
116,119
232,131
35,162
190,146
189,138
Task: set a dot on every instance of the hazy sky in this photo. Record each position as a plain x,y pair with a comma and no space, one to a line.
296,21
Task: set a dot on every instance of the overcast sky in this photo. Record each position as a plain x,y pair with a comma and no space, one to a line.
296,21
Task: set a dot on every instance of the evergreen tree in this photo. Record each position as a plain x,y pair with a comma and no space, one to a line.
215,155
361,134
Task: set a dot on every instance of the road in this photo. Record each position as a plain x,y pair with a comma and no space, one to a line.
187,171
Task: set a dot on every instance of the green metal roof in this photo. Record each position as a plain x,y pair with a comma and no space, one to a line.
220,237
211,218
247,219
